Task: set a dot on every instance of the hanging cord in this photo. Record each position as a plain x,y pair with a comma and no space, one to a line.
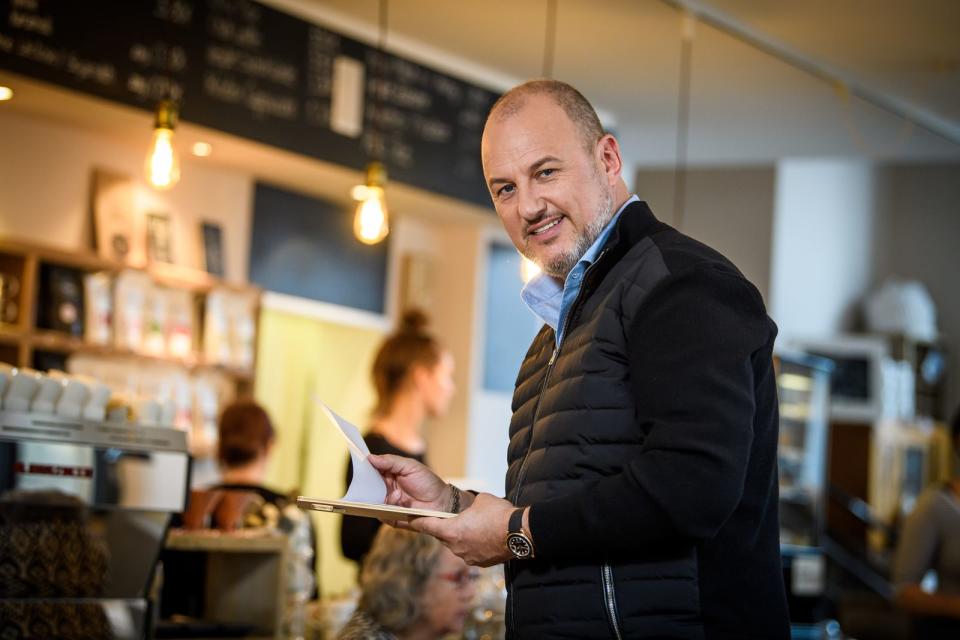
683,120
549,39
378,144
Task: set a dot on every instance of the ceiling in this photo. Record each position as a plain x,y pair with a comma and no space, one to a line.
746,105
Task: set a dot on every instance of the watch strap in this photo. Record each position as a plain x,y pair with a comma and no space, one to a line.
515,524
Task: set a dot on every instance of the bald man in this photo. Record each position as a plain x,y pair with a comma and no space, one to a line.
641,493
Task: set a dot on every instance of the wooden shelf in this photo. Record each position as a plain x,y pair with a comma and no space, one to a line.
172,275
11,334
60,342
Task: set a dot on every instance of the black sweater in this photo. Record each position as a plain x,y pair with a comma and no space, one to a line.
650,445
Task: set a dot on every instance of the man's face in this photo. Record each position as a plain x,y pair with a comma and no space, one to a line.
553,196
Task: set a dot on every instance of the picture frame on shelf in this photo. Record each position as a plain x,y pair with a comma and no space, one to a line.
115,220
212,236
158,237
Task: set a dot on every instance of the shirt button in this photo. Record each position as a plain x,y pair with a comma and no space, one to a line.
576,276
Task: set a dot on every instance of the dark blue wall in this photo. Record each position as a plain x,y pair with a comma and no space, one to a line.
305,247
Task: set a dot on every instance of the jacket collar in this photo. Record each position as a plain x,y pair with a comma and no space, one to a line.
636,223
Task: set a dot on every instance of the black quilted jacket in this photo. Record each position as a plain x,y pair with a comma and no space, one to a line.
646,447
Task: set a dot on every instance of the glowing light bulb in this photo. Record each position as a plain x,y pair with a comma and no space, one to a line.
528,269
371,222
202,149
6,93
163,162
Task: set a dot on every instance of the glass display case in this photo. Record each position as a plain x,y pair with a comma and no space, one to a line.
803,383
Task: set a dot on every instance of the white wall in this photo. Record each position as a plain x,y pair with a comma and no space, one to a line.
824,232
46,171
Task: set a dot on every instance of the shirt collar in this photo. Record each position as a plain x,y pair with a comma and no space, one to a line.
544,293
590,256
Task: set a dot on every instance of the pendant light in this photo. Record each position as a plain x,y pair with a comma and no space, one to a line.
163,163
371,221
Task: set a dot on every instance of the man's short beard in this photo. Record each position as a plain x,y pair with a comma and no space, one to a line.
561,265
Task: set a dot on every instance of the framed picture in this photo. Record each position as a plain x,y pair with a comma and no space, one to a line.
212,248
115,220
158,237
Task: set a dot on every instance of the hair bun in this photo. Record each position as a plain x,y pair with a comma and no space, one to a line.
413,321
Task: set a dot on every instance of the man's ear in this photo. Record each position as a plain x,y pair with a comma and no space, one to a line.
608,155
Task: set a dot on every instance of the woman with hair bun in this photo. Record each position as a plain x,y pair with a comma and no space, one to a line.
413,376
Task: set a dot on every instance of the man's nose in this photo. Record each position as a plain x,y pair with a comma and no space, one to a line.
531,205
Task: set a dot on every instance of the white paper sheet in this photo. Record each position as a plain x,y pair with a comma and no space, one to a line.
366,485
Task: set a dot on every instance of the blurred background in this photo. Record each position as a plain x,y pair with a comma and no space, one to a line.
192,210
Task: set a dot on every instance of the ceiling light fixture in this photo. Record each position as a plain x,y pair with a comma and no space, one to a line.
202,149
162,165
6,93
371,222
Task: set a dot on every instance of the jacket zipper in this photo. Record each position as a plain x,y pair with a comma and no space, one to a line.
610,599
536,411
546,376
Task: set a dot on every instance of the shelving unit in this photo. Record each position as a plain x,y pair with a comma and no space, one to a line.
20,339
26,340
803,385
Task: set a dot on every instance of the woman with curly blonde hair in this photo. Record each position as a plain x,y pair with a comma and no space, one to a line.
413,588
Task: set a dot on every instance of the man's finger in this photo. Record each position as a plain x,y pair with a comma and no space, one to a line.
389,463
431,526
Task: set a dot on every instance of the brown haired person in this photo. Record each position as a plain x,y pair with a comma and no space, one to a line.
413,376
241,501
246,438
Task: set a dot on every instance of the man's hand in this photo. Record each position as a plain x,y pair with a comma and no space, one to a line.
411,484
478,535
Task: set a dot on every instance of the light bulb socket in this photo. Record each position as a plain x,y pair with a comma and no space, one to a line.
166,116
376,174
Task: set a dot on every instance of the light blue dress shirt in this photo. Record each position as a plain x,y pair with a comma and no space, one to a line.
550,301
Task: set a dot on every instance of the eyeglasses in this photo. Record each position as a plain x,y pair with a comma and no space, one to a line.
461,578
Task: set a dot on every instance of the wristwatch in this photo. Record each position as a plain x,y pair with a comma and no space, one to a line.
518,541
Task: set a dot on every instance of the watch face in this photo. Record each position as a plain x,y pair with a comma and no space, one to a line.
519,545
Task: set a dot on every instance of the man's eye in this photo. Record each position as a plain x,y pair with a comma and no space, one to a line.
505,190
546,173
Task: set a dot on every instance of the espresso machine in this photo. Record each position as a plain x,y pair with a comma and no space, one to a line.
84,510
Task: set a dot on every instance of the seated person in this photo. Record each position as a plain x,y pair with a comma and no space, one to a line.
931,540
412,587
413,376
240,500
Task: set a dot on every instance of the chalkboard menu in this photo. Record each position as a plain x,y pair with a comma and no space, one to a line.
249,70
